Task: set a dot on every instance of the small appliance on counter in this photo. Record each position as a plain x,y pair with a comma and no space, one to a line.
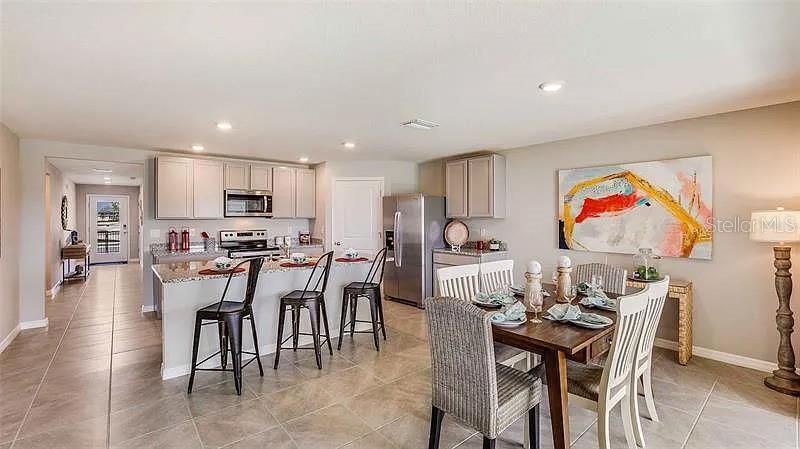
305,238
185,239
172,240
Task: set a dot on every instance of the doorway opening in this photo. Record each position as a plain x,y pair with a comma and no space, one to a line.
107,220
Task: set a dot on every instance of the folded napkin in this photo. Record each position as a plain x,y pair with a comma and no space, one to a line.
563,312
494,298
601,301
514,312
594,318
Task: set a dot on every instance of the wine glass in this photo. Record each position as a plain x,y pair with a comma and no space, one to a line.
599,283
571,292
536,302
555,277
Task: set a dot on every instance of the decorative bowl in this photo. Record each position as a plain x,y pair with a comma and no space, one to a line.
298,258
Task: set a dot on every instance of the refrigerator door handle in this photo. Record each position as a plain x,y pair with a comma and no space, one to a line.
398,242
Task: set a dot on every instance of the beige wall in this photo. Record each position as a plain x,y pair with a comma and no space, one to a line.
132,192
756,165
9,232
56,236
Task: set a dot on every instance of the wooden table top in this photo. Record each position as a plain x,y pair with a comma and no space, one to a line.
548,334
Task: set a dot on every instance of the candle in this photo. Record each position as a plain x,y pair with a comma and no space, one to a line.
534,267
564,262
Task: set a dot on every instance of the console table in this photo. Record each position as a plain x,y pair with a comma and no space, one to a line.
681,291
75,252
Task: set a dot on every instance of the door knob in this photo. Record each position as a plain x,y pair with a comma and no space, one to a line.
338,243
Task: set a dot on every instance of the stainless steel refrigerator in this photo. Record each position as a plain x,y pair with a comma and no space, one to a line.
412,227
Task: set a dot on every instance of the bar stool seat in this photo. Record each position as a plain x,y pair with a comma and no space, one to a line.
370,290
301,295
213,310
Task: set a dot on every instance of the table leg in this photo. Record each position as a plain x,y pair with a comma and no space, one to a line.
685,305
555,363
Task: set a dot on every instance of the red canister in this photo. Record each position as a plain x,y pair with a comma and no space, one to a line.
172,240
185,239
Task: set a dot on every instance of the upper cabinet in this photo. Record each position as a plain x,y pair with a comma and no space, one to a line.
293,192
260,177
476,187
174,187
456,188
208,188
237,175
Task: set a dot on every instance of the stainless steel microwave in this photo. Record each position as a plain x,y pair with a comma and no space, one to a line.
248,203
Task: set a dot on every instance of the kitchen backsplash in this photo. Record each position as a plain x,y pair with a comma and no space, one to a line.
274,227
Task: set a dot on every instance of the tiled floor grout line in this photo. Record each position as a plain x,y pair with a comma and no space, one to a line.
700,413
111,358
49,364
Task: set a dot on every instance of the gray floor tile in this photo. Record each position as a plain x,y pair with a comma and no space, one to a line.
182,436
328,428
708,434
234,423
139,420
274,438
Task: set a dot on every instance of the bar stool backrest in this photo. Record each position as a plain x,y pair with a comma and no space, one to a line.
324,265
252,280
376,269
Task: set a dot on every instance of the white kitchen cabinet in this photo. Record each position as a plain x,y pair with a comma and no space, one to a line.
305,182
237,175
476,187
283,192
174,187
456,188
208,188
260,177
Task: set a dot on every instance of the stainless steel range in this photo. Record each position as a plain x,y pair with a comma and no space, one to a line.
247,243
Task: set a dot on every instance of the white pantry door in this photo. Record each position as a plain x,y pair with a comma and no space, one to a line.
107,216
357,214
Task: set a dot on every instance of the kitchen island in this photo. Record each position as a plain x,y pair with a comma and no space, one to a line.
183,291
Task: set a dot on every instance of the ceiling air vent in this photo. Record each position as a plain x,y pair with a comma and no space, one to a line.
420,124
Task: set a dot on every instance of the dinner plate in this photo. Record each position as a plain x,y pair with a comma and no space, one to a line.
591,325
486,305
597,306
509,323
456,233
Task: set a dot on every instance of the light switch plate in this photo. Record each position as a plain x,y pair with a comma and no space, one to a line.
155,233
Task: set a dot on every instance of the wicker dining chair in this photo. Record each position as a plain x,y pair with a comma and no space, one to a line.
614,278
467,382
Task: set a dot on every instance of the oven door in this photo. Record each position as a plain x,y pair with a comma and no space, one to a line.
248,203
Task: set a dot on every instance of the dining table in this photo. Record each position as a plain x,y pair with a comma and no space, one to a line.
556,342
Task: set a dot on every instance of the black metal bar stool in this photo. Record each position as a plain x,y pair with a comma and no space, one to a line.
312,300
372,291
229,316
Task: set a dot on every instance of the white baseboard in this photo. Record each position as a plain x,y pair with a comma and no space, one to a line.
733,359
9,338
133,260
34,324
146,309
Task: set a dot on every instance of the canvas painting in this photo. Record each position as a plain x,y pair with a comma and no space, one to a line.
664,205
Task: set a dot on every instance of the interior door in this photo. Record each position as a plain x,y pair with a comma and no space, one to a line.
107,216
357,215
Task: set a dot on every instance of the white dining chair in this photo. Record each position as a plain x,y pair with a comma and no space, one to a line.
614,278
495,275
643,365
463,282
601,388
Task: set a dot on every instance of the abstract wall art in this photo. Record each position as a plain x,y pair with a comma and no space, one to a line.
664,205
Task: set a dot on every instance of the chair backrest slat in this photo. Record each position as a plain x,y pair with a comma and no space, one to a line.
253,271
614,278
323,267
459,281
631,311
655,305
494,275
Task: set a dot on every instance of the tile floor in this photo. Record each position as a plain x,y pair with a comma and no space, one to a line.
92,380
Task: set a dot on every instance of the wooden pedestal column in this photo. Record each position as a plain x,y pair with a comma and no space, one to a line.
784,379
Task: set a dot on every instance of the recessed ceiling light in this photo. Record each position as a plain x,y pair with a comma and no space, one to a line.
107,178
551,86
303,159
224,126
103,170
420,124
107,182
349,145
197,147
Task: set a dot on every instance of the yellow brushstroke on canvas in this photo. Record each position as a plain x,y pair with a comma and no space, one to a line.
693,231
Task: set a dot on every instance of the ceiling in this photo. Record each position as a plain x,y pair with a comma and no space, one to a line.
83,172
299,78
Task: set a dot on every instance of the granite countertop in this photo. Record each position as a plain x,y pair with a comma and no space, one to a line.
195,249
468,251
188,271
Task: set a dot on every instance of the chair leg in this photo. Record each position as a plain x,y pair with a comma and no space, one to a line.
353,312
234,324
603,436
223,344
380,313
198,325
488,443
324,309
647,380
281,318
436,427
345,301
534,437
255,344
295,327
314,318
627,421
373,313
